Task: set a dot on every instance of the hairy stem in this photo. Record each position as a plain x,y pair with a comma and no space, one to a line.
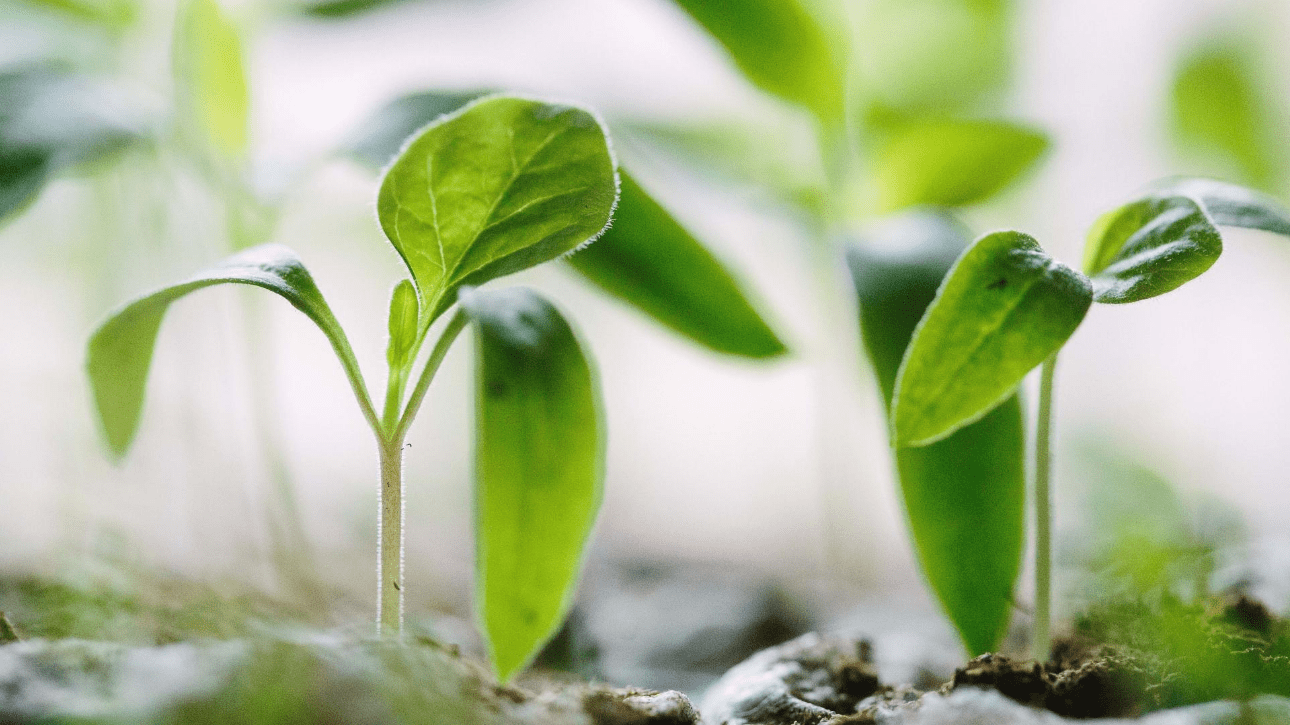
1043,511
450,332
389,549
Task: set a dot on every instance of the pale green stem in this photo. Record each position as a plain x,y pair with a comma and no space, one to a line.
394,387
389,550
1043,512
450,332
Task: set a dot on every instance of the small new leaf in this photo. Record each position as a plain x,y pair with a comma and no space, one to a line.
1232,205
1149,247
120,350
539,452
503,185
1005,307
404,309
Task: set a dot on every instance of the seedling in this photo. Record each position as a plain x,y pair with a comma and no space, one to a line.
1007,307
502,185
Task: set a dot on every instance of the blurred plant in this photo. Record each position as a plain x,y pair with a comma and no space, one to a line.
1006,307
502,185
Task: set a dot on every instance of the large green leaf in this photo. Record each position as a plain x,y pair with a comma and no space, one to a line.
503,185
381,136
120,350
1149,247
651,261
780,47
539,469
50,120
1005,307
964,496
952,162
1232,205
211,75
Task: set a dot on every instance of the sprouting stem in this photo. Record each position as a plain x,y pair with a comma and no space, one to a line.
446,338
394,387
1043,511
389,550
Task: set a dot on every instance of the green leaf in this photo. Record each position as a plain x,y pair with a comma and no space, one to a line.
1232,205
1005,307
404,312
502,185
379,139
964,496
539,469
120,350
211,75
952,162
1149,247
1220,106
332,9
652,262
780,47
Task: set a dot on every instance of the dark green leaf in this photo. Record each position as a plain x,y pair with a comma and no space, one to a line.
501,186
952,162
212,78
651,261
120,350
1232,205
780,47
1005,307
539,469
1149,247
383,134
343,8
404,312
964,496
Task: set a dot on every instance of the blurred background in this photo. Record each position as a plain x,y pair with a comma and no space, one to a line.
254,465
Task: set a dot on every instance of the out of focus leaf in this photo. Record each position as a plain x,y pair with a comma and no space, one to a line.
1005,307
114,14
1221,106
211,75
539,469
384,133
1232,205
1149,247
343,8
504,185
964,496
952,162
780,47
120,350
652,262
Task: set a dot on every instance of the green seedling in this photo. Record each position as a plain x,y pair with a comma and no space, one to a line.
1007,307
500,186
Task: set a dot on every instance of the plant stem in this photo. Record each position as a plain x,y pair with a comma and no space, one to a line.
389,550
1043,512
450,332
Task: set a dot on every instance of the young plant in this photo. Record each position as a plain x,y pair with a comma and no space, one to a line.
502,185
1007,307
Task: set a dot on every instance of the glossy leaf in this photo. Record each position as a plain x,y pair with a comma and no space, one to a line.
780,47
1005,307
1232,205
382,135
539,469
210,70
120,350
503,185
403,328
651,261
952,163
964,496
51,120
1149,247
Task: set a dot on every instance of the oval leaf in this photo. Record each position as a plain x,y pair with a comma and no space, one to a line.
211,74
651,261
1231,205
964,496
503,185
539,456
120,350
382,135
1005,307
780,47
1149,247
404,312
952,163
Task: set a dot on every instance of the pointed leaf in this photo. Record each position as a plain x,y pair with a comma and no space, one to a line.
502,185
780,47
651,261
1005,307
539,469
964,496
952,162
212,78
404,311
1232,205
382,135
120,350
1149,247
